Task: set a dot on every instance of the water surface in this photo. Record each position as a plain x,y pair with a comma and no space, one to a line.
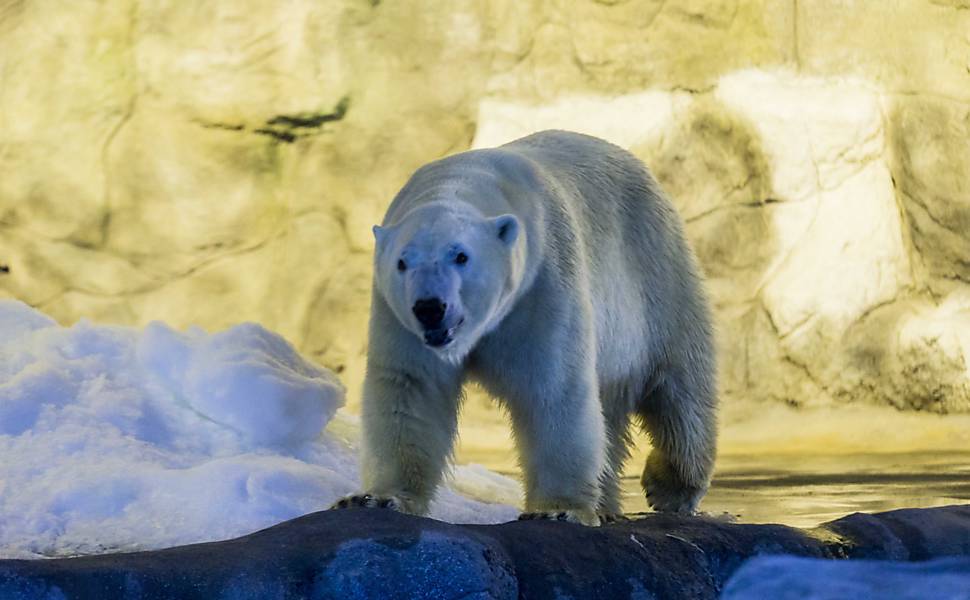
805,490
798,489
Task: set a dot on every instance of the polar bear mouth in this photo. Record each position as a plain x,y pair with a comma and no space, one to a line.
441,336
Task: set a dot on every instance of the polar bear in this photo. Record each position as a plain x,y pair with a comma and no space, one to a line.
553,271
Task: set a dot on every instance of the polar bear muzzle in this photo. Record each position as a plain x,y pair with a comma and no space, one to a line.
430,313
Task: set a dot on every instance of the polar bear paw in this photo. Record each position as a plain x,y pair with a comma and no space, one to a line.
607,518
666,491
369,501
678,500
578,516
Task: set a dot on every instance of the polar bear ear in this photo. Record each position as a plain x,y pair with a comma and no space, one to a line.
507,228
379,234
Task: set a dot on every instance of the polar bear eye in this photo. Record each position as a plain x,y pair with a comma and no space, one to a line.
401,265
461,259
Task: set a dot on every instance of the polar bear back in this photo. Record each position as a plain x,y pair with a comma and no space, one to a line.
642,274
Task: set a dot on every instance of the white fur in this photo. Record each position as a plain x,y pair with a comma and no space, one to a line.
580,307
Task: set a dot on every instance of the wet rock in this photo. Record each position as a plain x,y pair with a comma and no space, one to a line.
361,553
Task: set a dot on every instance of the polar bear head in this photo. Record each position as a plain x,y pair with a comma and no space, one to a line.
448,273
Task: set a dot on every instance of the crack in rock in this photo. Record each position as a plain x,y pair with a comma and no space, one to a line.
288,128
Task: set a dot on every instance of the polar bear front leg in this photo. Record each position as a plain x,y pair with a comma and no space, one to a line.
409,426
409,418
561,441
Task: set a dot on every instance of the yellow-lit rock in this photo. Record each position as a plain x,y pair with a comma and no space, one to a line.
930,139
908,47
223,161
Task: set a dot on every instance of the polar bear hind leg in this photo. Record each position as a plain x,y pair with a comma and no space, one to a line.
679,415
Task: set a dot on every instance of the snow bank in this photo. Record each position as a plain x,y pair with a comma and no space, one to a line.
113,438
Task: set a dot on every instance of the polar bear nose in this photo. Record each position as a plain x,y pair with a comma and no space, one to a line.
430,311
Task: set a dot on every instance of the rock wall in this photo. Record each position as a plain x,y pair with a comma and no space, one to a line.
223,161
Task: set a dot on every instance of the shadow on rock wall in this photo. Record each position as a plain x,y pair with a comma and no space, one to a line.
926,134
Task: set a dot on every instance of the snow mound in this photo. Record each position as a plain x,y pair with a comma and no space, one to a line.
113,438
246,379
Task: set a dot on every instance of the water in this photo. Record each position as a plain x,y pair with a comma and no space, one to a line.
805,490
798,468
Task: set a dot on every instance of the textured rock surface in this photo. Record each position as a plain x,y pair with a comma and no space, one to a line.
382,554
222,162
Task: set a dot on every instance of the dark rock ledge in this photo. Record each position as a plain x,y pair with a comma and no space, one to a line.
362,553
